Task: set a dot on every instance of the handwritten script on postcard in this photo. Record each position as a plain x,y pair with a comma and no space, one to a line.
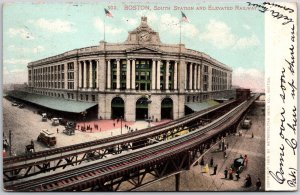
281,97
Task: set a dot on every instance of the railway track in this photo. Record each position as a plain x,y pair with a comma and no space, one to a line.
40,159
103,169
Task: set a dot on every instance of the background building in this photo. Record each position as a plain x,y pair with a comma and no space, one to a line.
140,78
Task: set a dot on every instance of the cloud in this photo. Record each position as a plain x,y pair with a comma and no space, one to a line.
34,50
130,21
170,24
14,75
21,32
246,42
219,34
189,30
54,26
99,25
16,61
245,26
249,78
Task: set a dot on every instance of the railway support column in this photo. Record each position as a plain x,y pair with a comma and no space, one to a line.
177,181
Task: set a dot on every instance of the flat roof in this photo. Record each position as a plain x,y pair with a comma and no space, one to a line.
59,104
196,106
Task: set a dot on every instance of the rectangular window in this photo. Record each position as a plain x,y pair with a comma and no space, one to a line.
93,98
87,97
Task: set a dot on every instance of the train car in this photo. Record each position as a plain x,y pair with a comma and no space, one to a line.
243,94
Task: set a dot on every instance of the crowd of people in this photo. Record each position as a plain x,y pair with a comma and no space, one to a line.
233,171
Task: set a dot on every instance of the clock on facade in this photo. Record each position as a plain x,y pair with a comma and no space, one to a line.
144,36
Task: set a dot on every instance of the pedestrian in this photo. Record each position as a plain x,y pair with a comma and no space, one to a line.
225,155
252,136
206,169
227,145
225,173
136,129
215,169
230,172
258,184
57,130
223,145
114,124
211,162
245,161
248,181
202,161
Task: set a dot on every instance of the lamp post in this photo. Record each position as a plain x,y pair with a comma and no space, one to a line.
148,119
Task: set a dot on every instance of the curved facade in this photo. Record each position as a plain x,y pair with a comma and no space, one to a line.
140,78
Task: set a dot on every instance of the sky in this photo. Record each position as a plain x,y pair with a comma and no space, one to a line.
40,30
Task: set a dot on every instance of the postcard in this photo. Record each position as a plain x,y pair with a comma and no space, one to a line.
149,96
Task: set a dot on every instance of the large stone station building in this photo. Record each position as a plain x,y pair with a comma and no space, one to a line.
140,78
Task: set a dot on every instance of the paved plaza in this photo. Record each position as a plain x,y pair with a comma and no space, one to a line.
25,125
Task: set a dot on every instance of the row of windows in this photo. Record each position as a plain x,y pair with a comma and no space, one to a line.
196,98
219,80
69,95
51,72
49,84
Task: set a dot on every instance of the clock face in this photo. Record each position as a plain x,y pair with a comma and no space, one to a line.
144,36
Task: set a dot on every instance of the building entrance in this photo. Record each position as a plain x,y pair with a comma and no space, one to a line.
167,108
141,109
117,108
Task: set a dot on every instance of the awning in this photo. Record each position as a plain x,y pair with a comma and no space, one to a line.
201,106
59,104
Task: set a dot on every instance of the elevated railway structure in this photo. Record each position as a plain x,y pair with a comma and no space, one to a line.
51,160
157,160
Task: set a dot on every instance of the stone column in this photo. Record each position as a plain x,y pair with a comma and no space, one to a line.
209,78
66,75
97,74
133,74
185,75
195,77
79,75
108,74
91,74
158,75
84,74
153,75
175,75
167,75
191,77
202,77
118,73
128,74
75,74
199,77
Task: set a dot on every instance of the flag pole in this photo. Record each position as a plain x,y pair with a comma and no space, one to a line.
104,29
180,32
